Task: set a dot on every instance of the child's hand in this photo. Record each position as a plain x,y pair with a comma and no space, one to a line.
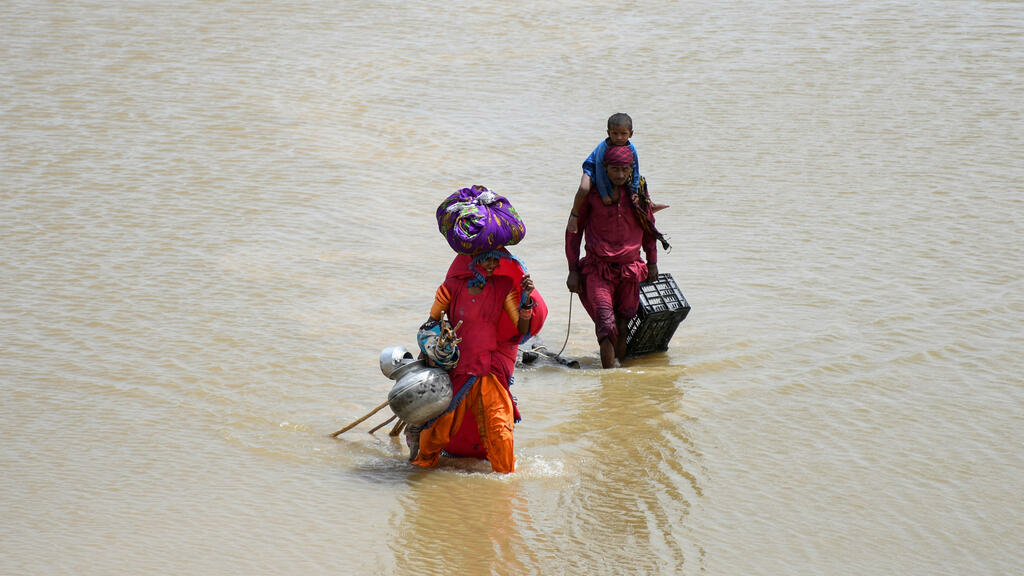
656,207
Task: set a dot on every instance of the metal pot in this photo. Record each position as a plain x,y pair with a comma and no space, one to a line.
420,393
393,358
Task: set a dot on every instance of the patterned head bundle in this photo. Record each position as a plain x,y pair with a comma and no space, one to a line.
475,220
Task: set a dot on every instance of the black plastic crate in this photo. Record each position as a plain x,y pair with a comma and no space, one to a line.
662,308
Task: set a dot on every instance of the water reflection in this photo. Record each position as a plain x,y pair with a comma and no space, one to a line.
457,521
641,471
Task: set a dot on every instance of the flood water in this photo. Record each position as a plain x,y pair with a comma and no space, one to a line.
215,215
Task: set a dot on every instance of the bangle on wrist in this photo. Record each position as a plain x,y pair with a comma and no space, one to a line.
574,214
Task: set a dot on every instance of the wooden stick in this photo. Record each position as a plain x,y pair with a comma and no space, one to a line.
383,424
353,425
397,429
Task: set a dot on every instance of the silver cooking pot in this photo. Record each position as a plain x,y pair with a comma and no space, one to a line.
393,358
420,392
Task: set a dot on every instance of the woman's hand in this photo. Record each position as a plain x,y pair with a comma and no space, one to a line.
526,308
526,285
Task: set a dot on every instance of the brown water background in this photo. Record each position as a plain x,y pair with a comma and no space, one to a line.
216,214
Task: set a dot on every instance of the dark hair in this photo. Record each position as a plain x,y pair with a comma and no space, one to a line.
620,119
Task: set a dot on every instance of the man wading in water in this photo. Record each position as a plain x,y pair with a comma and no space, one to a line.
617,223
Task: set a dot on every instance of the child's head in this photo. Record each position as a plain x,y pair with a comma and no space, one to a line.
620,128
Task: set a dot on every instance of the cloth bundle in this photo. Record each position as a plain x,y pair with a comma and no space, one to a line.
438,341
475,219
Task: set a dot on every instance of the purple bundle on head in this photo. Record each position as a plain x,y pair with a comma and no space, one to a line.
476,219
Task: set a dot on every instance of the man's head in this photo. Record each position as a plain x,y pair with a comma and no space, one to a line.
618,162
620,128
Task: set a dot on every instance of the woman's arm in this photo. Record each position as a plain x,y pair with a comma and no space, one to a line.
521,314
441,301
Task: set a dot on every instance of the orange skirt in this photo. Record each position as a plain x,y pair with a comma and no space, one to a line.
492,412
